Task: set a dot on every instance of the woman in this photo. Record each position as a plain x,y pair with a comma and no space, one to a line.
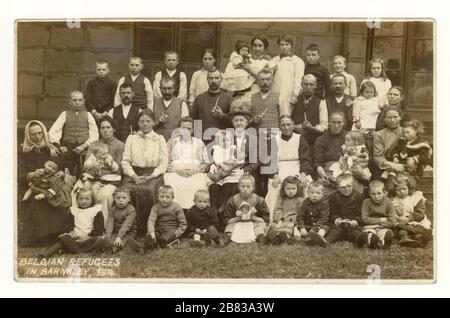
109,175
245,162
293,159
188,163
384,141
144,162
39,222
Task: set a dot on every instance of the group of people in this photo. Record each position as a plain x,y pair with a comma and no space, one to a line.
272,150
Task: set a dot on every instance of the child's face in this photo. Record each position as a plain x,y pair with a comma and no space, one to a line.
339,65
202,201
208,60
285,47
135,67
345,187
243,51
84,200
246,188
376,69
349,142
369,92
102,70
121,199
377,194
165,198
402,191
315,194
409,133
50,167
171,61
312,57
290,190
394,97
245,209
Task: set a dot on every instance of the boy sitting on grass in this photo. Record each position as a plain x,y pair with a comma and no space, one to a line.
166,222
312,217
378,216
246,187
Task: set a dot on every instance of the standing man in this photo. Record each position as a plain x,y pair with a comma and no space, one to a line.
126,113
339,102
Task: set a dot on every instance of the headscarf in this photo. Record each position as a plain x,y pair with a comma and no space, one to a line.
28,145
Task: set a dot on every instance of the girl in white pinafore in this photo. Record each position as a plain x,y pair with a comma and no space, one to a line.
288,165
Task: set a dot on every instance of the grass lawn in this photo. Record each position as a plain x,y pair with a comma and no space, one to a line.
246,261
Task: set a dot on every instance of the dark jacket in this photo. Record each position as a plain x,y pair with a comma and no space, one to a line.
345,207
201,219
313,215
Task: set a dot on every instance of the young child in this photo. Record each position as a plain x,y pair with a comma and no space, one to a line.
413,151
121,227
74,130
224,157
339,65
234,77
321,73
88,231
287,80
142,88
100,91
413,226
345,212
366,110
312,217
199,80
166,222
354,157
171,62
285,214
202,222
378,217
48,183
252,201
377,75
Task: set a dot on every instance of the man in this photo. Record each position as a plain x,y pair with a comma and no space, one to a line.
125,114
74,130
310,113
338,101
168,109
212,107
265,107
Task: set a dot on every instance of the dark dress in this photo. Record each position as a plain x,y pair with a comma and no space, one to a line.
39,223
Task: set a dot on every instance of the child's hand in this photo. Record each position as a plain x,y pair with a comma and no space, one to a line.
118,242
338,221
303,232
403,220
198,231
204,231
353,223
411,165
108,161
64,149
358,124
40,196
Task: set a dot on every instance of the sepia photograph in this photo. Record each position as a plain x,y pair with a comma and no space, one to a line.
225,150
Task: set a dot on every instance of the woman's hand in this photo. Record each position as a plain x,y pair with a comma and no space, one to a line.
276,181
303,180
411,165
358,124
118,242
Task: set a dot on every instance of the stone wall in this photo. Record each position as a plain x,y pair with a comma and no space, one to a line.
53,60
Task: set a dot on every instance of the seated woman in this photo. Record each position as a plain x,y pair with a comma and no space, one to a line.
40,223
102,171
188,163
293,159
144,162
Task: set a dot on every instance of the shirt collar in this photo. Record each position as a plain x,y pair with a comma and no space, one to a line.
150,135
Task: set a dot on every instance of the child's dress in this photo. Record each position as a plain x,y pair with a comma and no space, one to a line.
366,110
285,214
350,158
418,149
236,79
84,221
405,207
382,86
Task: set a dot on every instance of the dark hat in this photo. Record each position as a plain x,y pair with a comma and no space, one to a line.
240,44
241,107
